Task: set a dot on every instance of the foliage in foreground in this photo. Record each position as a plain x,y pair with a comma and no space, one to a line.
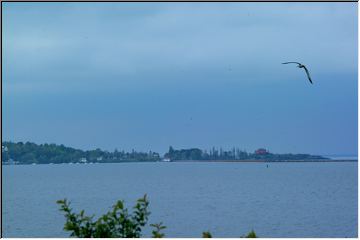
251,234
206,235
118,223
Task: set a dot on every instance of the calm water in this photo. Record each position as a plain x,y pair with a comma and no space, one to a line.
228,199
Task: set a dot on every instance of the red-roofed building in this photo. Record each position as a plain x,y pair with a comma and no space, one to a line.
261,151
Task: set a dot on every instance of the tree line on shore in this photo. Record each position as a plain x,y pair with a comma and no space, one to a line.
233,154
29,153
32,153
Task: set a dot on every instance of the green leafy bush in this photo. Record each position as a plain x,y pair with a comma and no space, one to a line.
118,223
156,232
206,235
251,234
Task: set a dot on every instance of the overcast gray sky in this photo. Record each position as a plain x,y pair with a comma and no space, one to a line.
150,75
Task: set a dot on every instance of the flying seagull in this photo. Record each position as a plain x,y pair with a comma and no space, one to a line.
302,66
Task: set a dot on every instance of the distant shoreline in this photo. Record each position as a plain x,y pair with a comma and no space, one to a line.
32,153
199,161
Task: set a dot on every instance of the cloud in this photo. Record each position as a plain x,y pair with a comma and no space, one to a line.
134,39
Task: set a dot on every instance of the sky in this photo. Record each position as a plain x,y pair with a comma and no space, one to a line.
145,76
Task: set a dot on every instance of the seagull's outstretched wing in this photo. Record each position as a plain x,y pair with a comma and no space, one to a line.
308,74
291,62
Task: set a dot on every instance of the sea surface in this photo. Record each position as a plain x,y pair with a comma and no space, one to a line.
227,199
